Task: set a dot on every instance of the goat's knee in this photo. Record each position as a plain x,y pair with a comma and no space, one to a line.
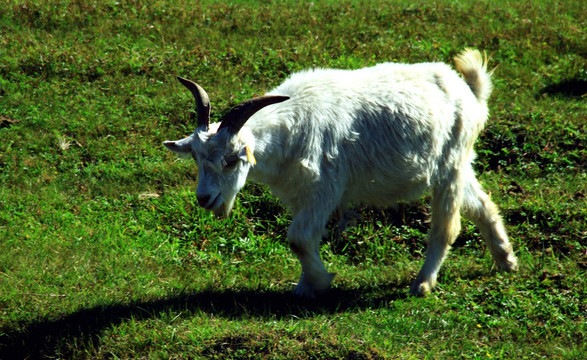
303,240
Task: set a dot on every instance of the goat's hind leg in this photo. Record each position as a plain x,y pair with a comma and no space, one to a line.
445,227
478,207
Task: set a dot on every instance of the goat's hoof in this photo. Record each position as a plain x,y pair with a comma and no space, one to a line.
306,290
510,264
420,288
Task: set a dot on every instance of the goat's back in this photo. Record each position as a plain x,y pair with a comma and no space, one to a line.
383,133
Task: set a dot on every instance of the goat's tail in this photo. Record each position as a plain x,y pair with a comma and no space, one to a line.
473,66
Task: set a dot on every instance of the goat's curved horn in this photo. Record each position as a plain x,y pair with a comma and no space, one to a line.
236,118
202,101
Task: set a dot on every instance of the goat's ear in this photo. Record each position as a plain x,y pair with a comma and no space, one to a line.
246,154
182,146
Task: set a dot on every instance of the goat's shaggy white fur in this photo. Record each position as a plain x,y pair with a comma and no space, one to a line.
374,136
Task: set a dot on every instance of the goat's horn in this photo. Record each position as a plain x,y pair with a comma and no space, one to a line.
236,118
202,101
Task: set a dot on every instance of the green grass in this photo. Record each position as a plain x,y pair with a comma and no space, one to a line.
105,254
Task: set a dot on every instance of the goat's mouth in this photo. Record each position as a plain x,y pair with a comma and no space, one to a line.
213,204
219,207
221,212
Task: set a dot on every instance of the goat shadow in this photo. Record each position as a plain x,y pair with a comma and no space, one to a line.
42,338
570,88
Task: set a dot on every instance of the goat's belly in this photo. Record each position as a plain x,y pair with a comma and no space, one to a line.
383,194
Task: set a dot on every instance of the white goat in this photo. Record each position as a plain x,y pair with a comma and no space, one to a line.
373,136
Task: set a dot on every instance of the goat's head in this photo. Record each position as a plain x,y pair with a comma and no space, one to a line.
223,155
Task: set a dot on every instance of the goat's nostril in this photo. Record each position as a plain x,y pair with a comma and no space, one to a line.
203,200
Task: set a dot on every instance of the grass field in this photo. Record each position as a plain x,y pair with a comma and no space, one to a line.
104,252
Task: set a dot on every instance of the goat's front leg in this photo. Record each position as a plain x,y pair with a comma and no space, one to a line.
304,237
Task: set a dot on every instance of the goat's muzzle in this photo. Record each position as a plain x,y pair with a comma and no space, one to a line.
214,204
203,200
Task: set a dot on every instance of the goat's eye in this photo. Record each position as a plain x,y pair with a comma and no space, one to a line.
230,160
